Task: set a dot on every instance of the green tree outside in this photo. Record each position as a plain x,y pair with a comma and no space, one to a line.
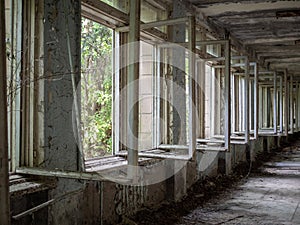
96,88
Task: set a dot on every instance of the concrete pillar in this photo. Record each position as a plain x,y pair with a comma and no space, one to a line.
291,107
275,104
257,112
224,163
246,101
281,105
269,114
179,98
62,29
200,90
176,185
260,108
286,104
133,76
227,100
61,149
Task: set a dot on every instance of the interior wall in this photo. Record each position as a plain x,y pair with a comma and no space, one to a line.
95,202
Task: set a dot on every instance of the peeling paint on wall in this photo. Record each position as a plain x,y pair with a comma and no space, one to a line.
128,199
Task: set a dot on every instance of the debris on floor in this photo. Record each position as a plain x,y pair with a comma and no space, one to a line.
270,194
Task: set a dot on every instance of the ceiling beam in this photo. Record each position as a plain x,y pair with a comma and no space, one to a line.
270,54
283,60
270,40
200,3
288,49
265,25
255,20
294,66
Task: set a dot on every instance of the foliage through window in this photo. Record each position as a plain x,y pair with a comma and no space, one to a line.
96,88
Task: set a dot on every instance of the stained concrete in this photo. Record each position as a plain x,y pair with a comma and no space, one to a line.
270,197
60,147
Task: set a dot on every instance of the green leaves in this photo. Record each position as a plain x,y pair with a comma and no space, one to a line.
96,88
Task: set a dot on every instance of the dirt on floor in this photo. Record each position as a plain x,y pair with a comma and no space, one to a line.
204,192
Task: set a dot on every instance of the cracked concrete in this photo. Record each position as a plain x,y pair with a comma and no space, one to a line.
270,197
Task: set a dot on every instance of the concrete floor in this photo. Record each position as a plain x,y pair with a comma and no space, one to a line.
269,197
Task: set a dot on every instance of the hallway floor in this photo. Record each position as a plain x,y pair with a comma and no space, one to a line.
271,196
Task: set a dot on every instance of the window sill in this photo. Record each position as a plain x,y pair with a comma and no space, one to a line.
20,185
111,162
159,154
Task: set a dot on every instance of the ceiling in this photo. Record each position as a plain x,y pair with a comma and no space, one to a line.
269,29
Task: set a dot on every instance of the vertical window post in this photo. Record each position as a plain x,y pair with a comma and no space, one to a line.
246,101
4,189
275,103
291,104
133,76
227,96
281,105
286,104
298,105
260,107
256,99
192,101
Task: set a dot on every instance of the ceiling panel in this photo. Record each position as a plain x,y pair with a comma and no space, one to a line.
266,27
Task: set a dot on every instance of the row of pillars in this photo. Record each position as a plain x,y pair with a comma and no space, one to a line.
281,92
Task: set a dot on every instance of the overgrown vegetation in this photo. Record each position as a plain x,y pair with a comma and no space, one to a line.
96,88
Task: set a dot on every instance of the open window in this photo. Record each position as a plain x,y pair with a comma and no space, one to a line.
96,88
244,100
293,104
271,103
103,112
164,125
217,91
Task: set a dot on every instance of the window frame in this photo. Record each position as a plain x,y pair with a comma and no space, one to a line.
25,131
191,45
204,144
